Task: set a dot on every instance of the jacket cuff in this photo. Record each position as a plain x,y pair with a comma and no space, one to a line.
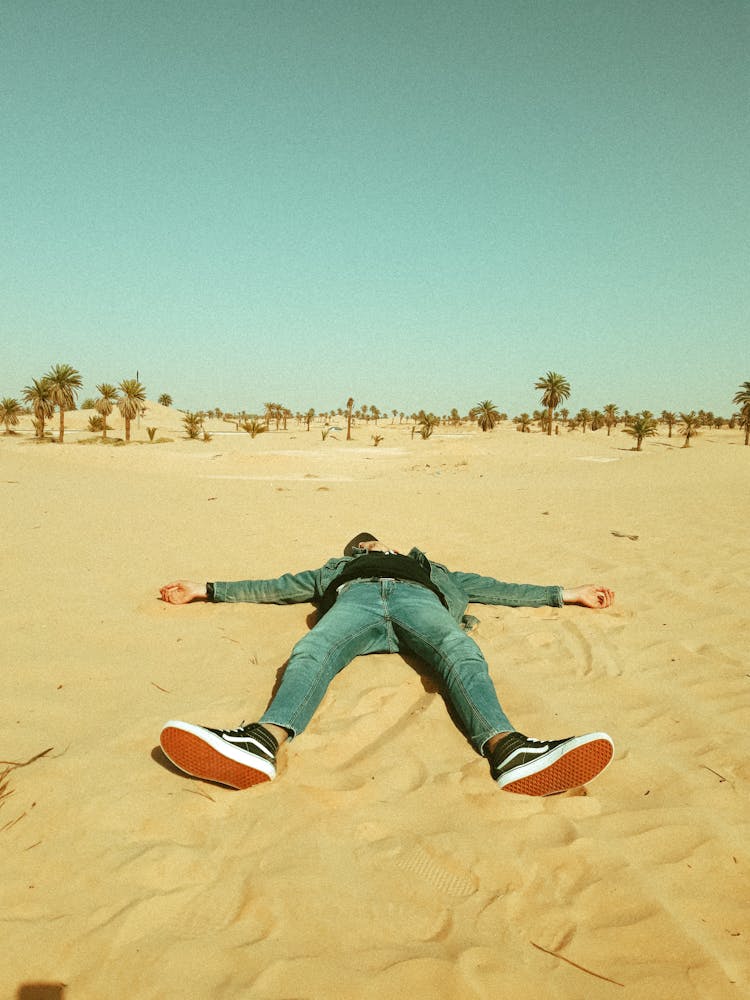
210,592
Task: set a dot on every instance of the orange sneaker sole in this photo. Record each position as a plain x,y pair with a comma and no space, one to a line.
573,769
196,757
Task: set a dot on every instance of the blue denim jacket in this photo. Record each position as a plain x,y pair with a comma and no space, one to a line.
458,589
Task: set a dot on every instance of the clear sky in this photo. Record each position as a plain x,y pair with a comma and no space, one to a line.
419,204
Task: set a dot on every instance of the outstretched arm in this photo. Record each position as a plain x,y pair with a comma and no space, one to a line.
589,596
291,588
183,592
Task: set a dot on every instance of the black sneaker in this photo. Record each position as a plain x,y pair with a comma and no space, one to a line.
545,767
236,757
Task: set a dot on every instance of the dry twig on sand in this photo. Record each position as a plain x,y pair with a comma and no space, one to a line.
719,776
556,954
5,792
25,763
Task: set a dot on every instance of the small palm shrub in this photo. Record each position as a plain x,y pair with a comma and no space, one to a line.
426,424
642,426
192,423
254,427
689,428
486,414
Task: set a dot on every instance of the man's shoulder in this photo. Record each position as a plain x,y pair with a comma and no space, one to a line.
336,562
331,569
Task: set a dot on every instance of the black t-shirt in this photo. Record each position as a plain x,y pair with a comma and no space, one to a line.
378,565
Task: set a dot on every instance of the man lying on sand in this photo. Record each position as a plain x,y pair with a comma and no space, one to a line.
377,600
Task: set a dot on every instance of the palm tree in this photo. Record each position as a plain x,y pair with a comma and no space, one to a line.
273,411
670,419
486,414
38,395
426,424
742,399
253,427
64,382
105,404
610,417
165,399
132,397
640,427
555,390
349,405
193,423
583,417
523,423
690,423
10,410
743,419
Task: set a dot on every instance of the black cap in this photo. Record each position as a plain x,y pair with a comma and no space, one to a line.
363,536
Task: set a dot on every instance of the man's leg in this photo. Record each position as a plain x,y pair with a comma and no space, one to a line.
423,625
353,627
247,755
517,763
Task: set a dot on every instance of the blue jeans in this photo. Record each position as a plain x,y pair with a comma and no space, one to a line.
387,616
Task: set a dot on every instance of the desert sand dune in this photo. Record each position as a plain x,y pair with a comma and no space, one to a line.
383,862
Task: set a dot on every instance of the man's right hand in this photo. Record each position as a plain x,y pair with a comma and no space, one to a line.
589,596
183,592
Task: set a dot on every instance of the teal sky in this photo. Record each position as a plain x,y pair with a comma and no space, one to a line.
419,204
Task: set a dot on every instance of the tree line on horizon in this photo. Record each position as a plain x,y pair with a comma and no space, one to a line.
59,388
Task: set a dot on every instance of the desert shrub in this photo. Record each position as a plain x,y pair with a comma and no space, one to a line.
254,427
426,424
96,423
193,423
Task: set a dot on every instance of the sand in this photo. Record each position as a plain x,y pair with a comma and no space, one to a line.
383,862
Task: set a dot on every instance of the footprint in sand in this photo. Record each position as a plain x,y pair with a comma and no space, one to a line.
433,868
